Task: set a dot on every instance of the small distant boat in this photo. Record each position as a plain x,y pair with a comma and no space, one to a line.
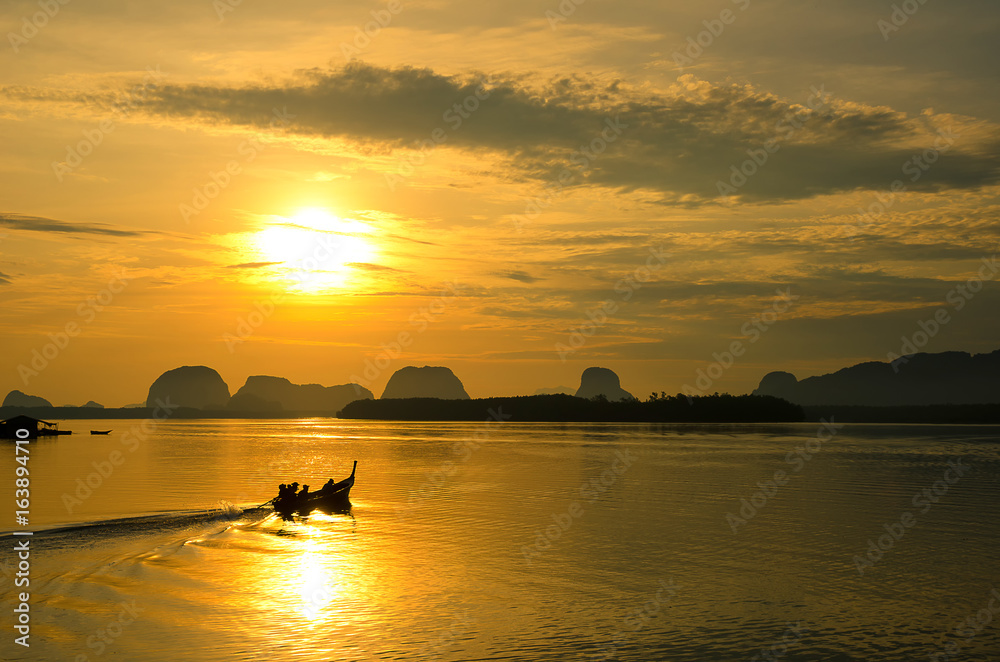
329,499
100,432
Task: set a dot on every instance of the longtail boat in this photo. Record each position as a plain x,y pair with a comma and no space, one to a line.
334,498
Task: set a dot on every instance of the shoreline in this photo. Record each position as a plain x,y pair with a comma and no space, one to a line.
564,409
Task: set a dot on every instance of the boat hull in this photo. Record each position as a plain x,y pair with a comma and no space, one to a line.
335,500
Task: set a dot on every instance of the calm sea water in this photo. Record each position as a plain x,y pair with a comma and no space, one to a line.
506,541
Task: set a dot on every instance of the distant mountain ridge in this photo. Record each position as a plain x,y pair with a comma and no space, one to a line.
18,399
263,391
956,378
568,408
556,390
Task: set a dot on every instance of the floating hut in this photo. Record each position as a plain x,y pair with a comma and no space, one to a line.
35,427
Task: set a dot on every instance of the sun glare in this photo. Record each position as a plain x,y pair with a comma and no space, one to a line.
314,250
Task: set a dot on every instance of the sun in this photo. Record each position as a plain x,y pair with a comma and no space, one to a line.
314,251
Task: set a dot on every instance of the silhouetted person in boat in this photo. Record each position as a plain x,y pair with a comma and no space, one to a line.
328,487
304,494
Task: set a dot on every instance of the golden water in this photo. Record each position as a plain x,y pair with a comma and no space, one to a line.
501,542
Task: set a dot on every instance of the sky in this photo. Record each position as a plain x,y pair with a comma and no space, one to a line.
330,191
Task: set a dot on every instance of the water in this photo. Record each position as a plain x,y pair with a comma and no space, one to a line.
490,542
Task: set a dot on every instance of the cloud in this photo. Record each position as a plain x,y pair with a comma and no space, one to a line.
411,239
521,276
252,265
39,224
369,266
678,142
4,279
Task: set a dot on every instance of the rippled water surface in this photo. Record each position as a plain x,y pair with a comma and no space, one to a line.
511,542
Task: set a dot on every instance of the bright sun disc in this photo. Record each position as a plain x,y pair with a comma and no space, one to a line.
314,249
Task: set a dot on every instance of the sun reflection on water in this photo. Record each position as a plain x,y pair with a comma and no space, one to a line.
317,574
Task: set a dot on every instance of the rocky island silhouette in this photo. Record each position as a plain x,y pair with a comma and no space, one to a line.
948,387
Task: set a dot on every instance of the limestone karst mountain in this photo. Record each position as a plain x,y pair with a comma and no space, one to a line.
190,386
602,381
425,382
18,399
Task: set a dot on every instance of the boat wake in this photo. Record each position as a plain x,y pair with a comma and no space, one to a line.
171,524
166,566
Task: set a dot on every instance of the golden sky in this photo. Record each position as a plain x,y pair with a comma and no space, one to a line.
515,190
